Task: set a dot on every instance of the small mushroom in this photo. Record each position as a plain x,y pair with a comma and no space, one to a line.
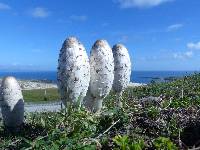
73,74
102,75
12,103
122,70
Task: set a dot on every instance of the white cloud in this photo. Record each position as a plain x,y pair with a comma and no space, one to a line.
183,55
194,46
4,6
123,39
188,54
140,3
174,27
40,12
78,17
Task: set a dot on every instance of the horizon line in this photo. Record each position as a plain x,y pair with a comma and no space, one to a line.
56,70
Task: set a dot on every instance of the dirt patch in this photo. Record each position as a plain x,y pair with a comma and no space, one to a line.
191,135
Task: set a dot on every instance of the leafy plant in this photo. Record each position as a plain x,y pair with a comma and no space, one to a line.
133,127
162,143
124,143
153,112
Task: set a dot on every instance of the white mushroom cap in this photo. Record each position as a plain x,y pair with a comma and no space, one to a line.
73,71
122,69
102,75
12,103
101,69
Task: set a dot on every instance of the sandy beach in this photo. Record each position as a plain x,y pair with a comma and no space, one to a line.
36,84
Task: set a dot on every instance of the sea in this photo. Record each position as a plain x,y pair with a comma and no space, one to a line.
136,76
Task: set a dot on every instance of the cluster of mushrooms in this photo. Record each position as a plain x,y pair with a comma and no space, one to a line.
87,81
81,80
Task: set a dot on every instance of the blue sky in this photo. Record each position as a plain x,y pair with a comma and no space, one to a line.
159,34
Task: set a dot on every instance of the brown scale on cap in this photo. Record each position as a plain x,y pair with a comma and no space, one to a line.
101,43
71,41
118,46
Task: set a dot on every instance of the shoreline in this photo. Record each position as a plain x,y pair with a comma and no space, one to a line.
46,84
35,84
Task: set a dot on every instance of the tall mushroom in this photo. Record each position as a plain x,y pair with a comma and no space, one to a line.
12,103
122,70
73,74
102,75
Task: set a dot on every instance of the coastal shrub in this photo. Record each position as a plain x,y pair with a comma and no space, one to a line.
162,143
125,143
135,126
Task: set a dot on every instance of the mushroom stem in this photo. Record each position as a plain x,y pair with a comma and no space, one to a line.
97,105
119,98
93,104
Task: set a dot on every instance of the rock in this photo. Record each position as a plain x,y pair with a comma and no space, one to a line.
150,101
131,84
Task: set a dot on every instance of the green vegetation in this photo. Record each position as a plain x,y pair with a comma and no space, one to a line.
169,122
38,95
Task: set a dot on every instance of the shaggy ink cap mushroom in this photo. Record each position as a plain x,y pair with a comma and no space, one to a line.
12,103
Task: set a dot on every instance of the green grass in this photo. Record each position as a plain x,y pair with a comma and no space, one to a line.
39,95
169,124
